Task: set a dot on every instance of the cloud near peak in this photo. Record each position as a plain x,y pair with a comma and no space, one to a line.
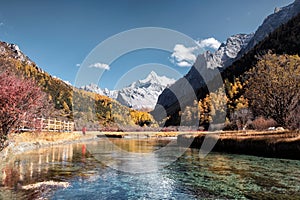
100,66
183,56
209,43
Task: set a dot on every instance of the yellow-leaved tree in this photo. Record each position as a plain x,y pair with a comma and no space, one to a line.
237,105
273,88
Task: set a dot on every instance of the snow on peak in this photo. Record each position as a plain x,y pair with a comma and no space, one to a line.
153,78
92,87
142,94
13,51
152,74
227,52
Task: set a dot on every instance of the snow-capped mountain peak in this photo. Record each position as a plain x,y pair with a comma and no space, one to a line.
153,78
141,94
92,87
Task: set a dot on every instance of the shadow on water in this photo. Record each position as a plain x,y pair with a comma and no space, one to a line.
189,177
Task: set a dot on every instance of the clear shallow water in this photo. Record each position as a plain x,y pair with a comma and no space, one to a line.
83,166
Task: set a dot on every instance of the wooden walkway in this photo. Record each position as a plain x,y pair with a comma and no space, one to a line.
47,124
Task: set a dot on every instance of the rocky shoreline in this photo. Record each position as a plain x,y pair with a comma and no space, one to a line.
276,144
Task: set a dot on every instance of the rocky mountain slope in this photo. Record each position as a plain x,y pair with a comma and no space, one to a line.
140,95
181,93
13,51
272,22
66,101
227,52
185,88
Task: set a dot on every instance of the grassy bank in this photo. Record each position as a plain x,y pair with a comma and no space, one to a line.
19,143
147,134
43,137
283,144
278,144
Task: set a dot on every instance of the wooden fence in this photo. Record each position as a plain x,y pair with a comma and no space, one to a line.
47,124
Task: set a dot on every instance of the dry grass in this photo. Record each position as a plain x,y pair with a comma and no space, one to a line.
44,137
268,136
150,134
167,134
48,137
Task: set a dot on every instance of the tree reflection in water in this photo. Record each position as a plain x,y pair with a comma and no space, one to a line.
34,166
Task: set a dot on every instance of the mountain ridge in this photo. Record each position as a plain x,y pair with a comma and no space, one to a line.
140,95
68,102
205,65
170,101
272,22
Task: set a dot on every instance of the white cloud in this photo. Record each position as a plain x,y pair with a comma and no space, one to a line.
1,23
100,66
77,65
184,56
209,43
184,64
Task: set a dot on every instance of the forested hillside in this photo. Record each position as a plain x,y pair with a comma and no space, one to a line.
285,40
85,108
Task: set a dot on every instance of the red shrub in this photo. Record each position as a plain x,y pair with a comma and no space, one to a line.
261,123
20,100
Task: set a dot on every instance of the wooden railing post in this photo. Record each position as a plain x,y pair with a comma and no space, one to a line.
42,124
55,124
49,124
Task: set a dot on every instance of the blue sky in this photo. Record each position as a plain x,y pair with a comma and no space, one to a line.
58,35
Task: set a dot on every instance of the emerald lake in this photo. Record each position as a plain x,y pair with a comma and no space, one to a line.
85,167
